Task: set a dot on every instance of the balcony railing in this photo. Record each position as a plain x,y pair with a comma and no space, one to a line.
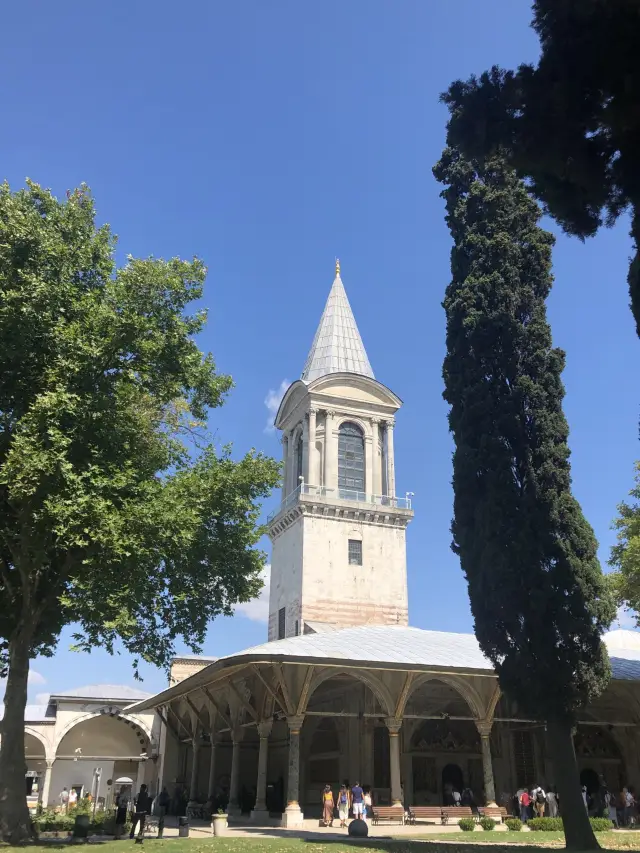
352,495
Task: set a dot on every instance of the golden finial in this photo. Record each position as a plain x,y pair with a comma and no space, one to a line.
337,266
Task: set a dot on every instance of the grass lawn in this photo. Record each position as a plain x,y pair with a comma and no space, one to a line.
457,842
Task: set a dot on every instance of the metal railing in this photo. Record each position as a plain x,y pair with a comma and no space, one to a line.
352,495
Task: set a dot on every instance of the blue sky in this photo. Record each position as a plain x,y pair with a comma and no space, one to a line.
268,138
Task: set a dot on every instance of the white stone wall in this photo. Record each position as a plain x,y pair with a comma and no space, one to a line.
286,579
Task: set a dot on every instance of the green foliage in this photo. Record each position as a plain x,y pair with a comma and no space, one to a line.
545,824
536,589
600,824
102,823
487,823
625,554
570,123
467,824
513,824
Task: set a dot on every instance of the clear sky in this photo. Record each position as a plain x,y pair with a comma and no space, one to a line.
268,138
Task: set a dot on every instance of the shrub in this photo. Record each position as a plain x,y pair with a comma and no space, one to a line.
514,824
487,823
600,824
545,824
467,824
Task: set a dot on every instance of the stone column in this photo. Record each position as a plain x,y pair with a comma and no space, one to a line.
260,812
391,469
484,729
193,787
305,450
394,727
212,770
234,784
311,472
376,479
292,814
330,455
46,783
291,473
285,457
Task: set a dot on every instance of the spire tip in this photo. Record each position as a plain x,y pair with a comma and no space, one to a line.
337,266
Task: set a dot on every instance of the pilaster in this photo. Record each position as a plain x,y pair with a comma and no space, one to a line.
292,814
260,812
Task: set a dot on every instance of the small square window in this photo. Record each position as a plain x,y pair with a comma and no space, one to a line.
281,623
355,552
297,631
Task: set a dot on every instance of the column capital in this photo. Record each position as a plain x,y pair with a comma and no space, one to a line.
313,410
49,763
394,725
389,424
484,727
264,728
237,734
331,413
295,724
375,420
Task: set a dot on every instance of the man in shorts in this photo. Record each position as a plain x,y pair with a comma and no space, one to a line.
357,798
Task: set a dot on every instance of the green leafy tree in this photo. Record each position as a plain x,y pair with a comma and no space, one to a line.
112,515
569,124
625,554
537,593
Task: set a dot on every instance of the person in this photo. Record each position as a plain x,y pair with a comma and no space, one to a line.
585,798
357,798
525,802
368,803
344,804
552,802
539,800
328,805
142,805
610,805
457,799
466,798
164,801
64,799
73,798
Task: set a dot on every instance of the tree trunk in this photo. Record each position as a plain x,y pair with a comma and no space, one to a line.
577,829
15,823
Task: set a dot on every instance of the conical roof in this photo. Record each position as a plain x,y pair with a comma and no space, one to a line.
337,346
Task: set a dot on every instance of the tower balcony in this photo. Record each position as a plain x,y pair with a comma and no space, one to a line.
356,500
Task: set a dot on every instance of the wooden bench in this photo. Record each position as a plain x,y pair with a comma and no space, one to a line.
388,813
454,813
492,811
424,813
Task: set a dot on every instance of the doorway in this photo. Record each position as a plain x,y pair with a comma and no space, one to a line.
452,780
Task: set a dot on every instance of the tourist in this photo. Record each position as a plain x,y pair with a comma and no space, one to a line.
457,799
539,800
344,804
585,798
525,802
73,798
552,802
368,804
142,803
357,798
610,805
64,799
328,806
164,801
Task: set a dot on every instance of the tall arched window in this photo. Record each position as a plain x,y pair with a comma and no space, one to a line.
351,478
298,466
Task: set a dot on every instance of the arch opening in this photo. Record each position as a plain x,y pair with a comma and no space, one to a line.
351,462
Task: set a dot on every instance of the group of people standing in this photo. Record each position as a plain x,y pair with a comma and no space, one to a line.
355,800
536,802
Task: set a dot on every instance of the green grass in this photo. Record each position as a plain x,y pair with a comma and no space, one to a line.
456,842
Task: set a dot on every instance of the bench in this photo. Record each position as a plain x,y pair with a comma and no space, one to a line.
493,811
424,813
388,813
454,813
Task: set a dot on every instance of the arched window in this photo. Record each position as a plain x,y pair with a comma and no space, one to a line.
351,477
298,465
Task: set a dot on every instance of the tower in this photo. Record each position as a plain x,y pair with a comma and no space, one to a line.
338,537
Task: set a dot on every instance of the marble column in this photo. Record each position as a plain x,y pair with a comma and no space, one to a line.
376,479
484,729
311,472
46,783
330,454
211,792
291,467
292,814
391,465
234,783
260,812
193,787
285,458
394,726
305,450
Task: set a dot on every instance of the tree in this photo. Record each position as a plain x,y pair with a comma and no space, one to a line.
569,124
625,554
113,512
537,593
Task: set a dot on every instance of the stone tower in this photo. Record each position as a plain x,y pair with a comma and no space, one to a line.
339,548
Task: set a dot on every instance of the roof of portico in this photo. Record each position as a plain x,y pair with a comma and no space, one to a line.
382,647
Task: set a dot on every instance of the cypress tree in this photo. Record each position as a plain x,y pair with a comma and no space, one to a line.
537,592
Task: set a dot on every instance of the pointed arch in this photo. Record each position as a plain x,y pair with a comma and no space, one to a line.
132,721
48,752
461,685
374,684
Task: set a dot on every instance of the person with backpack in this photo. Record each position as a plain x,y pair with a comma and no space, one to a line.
142,803
344,804
539,800
525,803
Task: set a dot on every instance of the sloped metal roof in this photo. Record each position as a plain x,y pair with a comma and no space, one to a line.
104,691
337,346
